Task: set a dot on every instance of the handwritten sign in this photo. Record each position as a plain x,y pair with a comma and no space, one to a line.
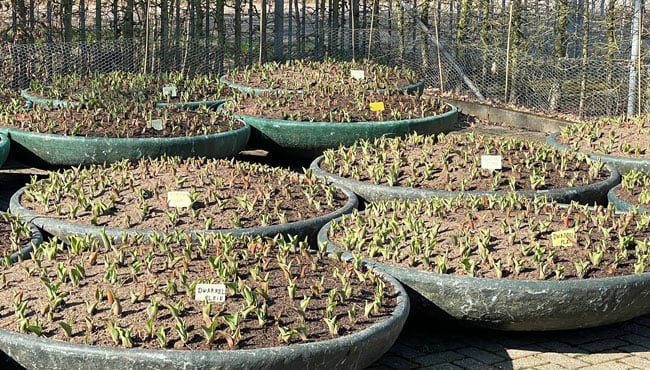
210,293
169,91
377,106
156,124
491,162
357,74
179,199
563,238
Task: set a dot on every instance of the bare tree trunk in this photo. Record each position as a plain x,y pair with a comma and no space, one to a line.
585,58
67,20
238,34
278,29
164,35
219,23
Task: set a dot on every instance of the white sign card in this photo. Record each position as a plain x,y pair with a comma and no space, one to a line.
210,293
169,91
491,162
357,74
157,124
178,199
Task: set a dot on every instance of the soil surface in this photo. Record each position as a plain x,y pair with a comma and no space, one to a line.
511,239
226,195
145,295
13,235
610,136
454,163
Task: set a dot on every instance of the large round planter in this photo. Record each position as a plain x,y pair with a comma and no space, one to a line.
621,205
64,228
519,305
310,139
413,89
356,351
5,146
60,150
26,250
622,164
585,194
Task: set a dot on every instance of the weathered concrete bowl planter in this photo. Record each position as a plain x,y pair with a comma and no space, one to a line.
366,340
402,172
632,195
297,124
612,140
500,302
77,138
253,199
5,147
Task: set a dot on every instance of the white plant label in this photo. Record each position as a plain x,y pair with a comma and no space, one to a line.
157,124
563,238
357,74
210,293
169,91
491,162
178,199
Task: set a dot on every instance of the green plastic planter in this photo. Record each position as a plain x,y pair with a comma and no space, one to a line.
356,351
621,205
310,139
622,164
585,194
5,146
63,228
27,249
60,150
519,305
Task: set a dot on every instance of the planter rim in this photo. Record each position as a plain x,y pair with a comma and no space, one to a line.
5,147
290,123
395,191
63,227
100,139
622,205
382,333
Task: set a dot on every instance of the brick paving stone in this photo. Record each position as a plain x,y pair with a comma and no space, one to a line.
396,362
636,339
609,365
470,363
639,351
600,358
551,367
602,345
557,346
405,351
563,360
482,355
528,362
438,358
515,353
442,367
636,361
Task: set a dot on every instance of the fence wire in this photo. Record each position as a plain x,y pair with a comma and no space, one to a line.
561,56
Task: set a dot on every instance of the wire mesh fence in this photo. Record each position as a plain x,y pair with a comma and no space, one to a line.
560,56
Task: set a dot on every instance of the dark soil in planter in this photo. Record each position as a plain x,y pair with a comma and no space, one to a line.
336,105
453,163
228,194
299,74
14,235
127,121
106,88
491,237
107,295
611,136
634,189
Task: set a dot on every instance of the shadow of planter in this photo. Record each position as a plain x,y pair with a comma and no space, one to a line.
622,164
585,194
62,228
5,146
26,250
520,305
355,351
310,139
61,150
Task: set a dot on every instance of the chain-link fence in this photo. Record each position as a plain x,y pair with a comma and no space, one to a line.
567,57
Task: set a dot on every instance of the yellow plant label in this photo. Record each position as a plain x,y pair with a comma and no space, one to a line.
491,162
563,238
169,91
357,74
178,199
377,106
156,124
210,293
